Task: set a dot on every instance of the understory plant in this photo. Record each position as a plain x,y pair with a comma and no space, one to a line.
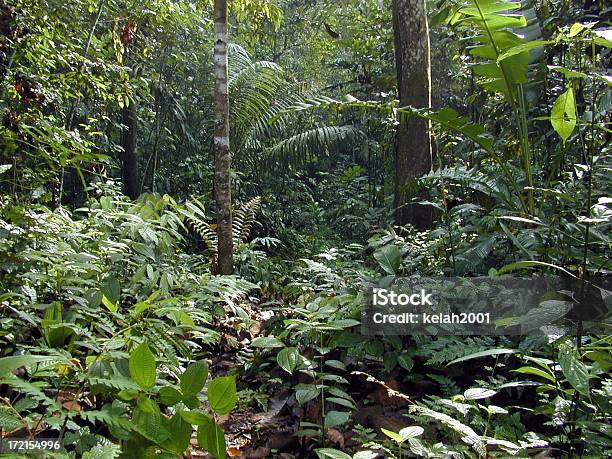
106,325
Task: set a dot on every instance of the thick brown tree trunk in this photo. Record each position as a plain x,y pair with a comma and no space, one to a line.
129,158
223,193
413,154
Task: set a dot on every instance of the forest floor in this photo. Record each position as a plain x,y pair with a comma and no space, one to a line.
265,424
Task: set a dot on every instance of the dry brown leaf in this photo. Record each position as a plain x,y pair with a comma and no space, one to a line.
335,436
313,410
255,329
72,405
258,453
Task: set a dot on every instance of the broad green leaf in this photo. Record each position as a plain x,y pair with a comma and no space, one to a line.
193,379
573,369
522,219
389,258
4,168
191,401
390,360
335,364
336,418
601,37
452,121
55,333
411,432
493,409
521,48
367,454
180,434
196,418
568,73
344,323
405,361
577,28
170,396
341,401
111,290
477,393
306,392
487,353
211,438
10,364
222,394
396,437
530,264
287,359
536,372
330,453
142,366
147,416
604,359
337,392
267,342
563,114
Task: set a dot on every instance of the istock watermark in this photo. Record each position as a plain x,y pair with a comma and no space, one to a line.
383,297
486,306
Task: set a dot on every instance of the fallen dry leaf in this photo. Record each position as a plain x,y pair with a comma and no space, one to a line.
72,405
258,453
255,329
335,436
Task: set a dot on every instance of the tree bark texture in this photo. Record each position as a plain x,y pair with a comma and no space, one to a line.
413,153
223,194
129,157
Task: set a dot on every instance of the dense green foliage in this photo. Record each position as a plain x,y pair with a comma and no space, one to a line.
117,334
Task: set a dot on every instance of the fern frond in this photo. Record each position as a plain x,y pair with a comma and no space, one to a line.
243,219
27,388
107,417
115,382
196,220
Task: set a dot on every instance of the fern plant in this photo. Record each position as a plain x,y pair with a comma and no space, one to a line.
242,222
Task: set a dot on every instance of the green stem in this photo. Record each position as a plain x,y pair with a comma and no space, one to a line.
519,113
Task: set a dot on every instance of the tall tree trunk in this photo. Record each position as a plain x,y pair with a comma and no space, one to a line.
223,193
413,154
129,158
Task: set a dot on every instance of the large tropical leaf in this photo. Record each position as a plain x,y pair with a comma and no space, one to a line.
503,26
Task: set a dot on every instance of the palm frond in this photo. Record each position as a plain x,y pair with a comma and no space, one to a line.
313,144
264,132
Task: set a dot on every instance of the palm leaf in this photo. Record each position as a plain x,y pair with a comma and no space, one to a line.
314,143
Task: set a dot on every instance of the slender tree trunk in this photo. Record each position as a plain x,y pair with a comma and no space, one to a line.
129,158
223,193
413,154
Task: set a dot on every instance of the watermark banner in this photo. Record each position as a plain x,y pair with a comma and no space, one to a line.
486,306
